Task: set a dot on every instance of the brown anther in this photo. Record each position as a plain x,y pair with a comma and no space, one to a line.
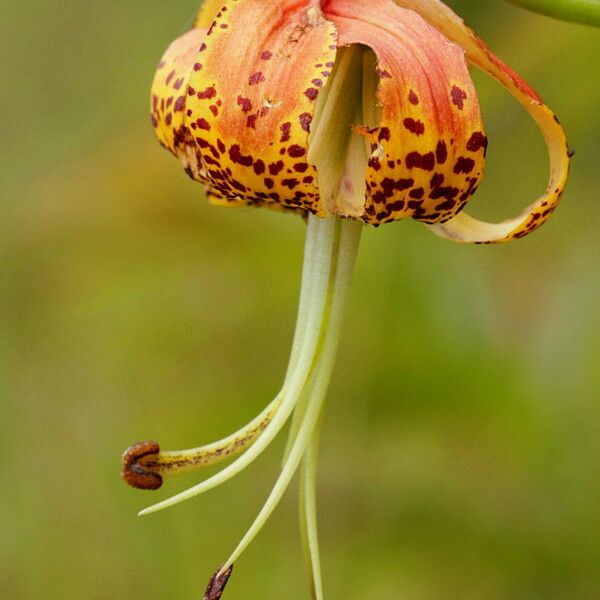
133,471
217,584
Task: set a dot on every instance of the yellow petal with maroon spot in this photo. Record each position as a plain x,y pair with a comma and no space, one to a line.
464,228
427,155
252,101
169,99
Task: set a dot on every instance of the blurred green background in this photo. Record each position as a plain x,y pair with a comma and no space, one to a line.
462,435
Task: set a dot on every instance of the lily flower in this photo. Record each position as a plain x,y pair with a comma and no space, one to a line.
348,112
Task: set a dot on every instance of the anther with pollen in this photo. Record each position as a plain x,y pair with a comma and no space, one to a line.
139,462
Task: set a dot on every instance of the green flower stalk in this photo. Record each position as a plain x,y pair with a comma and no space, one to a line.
350,113
577,11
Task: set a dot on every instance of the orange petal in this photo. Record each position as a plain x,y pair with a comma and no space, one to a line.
169,98
427,155
252,100
465,228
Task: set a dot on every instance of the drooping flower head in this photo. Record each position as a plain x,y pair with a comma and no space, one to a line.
351,112
356,108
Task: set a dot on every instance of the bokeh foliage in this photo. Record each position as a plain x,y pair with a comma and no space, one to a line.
461,442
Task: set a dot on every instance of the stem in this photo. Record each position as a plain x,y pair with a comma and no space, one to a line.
577,11
342,269
318,263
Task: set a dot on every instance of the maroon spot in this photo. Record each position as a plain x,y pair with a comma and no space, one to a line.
178,83
245,103
296,151
269,183
256,78
416,127
420,161
238,186
276,167
374,163
236,156
383,73
389,186
379,197
202,48
251,121
259,167
391,164
458,97
477,141
305,121
191,91
179,104
444,192
214,110
286,129
208,93
154,121
404,184
395,206
266,55
221,146
209,160
384,134
437,180
318,82
197,67
204,144
311,93
417,193
170,77
308,179
203,124
448,205
441,152
413,98
301,167
290,183
326,73
464,165
169,119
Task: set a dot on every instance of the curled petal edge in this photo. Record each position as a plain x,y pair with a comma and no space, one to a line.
464,228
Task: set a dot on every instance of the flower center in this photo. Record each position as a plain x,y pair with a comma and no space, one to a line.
345,107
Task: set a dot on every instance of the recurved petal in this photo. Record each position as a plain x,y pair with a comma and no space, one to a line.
252,99
465,228
169,99
427,155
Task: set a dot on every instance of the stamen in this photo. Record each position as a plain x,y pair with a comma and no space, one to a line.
144,465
